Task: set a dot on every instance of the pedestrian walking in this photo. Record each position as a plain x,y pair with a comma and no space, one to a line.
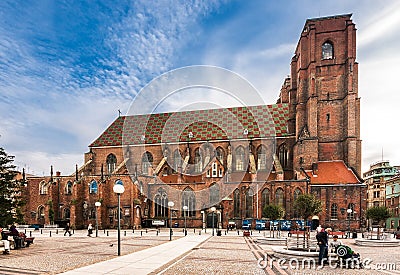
90,230
67,230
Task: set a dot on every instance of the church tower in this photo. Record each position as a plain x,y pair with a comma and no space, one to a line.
323,95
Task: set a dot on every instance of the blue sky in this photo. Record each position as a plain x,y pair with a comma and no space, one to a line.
66,67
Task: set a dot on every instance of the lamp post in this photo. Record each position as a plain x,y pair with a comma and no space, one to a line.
97,204
349,211
119,189
185,208
213,211
170,205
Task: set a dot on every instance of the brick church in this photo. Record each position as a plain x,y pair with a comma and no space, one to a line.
214,177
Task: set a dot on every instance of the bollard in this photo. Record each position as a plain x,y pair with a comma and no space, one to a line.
251,232
73,231
157,232
238,232
225,232
124,233
107,233
104,231
194,230
30,233
200,232
141,233
56,231
133,231
41,231
25,231
146,230
50,233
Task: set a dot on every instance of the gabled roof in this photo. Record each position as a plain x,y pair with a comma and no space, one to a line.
213,124
332,172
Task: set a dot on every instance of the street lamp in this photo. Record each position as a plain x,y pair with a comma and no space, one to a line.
97,204
213,210
170,205
185,208
118,189
349,211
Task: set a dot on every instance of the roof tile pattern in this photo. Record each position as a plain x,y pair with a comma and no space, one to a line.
215,124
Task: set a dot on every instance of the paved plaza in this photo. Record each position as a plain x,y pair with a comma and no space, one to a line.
151,252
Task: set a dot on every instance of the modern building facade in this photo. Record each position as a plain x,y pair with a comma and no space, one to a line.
314,147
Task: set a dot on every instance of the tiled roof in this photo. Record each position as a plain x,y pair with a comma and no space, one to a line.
213,124
332,172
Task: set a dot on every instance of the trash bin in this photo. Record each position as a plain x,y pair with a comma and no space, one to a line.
354,235
219,233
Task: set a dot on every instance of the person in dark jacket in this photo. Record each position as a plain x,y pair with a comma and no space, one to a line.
322,239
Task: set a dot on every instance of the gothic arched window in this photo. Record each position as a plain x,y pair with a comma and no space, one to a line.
111,163
161,204
262,158
327,50
249,203
265,197
68,188
240,159
93,187
283,155
220,155
189,200
147,161
279,197
177,162
198,161
43,188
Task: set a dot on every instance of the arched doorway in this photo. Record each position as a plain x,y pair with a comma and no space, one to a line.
212,217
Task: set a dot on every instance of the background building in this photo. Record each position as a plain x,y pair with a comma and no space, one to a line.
315,148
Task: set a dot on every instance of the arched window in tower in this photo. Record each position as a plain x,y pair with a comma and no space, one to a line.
283,156
240,159
40,212
198,161
262,158
43,188
236,203
189,200
279,197
68,188
220,155
214,193
93,187
265,197
327,50
161,204
249,203
111,163
297,192
147,162
177,162
334,213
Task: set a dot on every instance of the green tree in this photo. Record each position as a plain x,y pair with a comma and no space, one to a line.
378,214
307,205
10,191
273,212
